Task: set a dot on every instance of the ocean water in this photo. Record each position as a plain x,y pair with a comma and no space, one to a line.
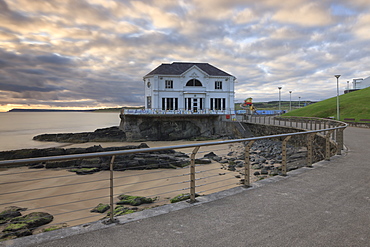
18,128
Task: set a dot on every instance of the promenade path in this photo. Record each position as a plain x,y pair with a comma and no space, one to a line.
328,205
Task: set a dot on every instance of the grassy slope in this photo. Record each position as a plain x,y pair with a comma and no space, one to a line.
352,105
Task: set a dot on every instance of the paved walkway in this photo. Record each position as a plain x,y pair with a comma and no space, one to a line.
328,205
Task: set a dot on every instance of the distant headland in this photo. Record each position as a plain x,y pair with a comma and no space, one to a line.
47,110
116,109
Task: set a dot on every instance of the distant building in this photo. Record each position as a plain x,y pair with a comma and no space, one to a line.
187,88
361,83
357,84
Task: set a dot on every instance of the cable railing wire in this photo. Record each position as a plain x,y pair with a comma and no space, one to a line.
52,187
145,189
218,181
66,203
66,194
147,181
181,175
36,179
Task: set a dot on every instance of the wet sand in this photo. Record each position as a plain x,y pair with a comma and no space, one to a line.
70,197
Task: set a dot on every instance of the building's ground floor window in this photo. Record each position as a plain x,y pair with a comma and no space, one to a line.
170,104
217,104
194,104
149,102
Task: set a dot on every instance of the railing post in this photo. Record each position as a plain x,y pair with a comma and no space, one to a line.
310,139
247,167
327,145
284,156
111,189
192,175
339,141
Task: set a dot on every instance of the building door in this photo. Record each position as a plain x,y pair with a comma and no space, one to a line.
194,104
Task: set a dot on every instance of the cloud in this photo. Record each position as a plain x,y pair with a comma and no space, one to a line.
95,52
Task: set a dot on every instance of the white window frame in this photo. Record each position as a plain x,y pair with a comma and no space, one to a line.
218,84
168,83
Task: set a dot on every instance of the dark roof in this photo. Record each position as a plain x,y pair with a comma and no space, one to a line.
178,68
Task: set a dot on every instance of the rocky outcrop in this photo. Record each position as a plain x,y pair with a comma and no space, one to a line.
138,161
169,127
14,225
265,158
100,208
112,134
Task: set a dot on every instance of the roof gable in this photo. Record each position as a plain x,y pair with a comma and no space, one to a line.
178,68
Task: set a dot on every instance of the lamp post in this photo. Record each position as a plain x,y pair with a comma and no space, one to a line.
279,99
338,116
290,100
299,102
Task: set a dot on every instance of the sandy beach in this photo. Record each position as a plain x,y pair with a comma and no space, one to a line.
70,197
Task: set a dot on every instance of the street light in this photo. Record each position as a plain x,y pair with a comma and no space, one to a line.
279,99
299,102
290,103
338,116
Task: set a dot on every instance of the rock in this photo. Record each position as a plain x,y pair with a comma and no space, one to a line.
84,171
223,161
134,200
210,155
112,134
239,163
274,172
256,166
11,212
121,210
62,164
264,171
290,168
91,162
256,173
33,220
54,227
181,197
203,161
143,145
100,208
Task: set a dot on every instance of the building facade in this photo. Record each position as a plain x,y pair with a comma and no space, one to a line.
183,88
361,83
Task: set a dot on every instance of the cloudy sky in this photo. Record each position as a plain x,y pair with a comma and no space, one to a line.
94,53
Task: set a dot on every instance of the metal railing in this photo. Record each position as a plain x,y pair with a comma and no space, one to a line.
126,181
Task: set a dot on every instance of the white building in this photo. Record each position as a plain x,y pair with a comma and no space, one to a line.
361,83
184,88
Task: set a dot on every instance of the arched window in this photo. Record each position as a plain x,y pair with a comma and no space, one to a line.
193,83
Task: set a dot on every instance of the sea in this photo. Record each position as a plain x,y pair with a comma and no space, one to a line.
18,128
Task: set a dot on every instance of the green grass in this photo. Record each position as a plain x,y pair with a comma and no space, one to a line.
352,105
